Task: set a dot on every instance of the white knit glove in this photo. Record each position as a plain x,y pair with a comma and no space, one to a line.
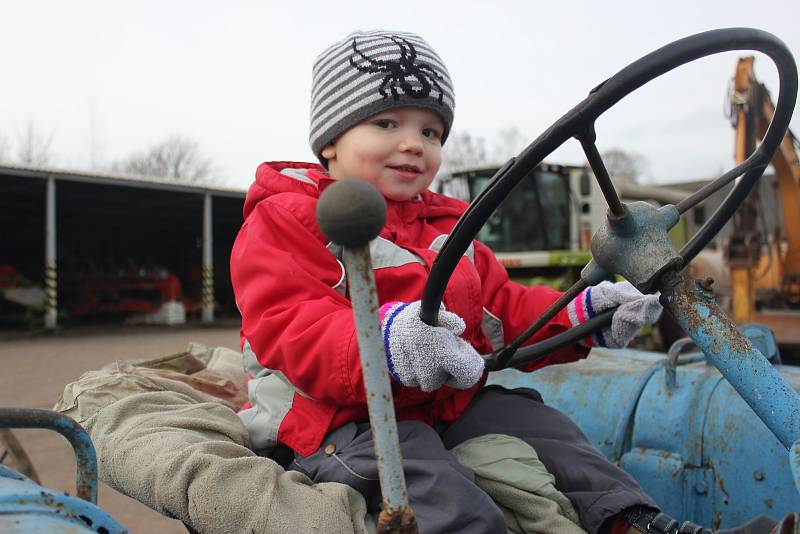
634,311
427,357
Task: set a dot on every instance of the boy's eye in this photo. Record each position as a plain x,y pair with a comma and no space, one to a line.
433,133
384,123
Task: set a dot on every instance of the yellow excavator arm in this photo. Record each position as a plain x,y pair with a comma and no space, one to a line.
779,269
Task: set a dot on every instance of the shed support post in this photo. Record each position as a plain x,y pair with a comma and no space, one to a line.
50,273
208,261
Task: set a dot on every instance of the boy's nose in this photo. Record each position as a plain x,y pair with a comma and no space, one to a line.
412,143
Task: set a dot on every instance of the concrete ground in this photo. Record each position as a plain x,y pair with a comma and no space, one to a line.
34,372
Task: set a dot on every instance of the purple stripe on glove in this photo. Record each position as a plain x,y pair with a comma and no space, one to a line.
392,308
428,357
634,311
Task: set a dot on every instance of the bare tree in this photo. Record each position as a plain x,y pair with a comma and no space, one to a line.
176,157
33,148
4,148
95,138
463,151
509,142
623,165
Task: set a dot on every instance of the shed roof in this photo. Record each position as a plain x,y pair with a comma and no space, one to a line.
107,178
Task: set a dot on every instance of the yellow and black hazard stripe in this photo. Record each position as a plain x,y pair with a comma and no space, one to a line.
50,284
208,286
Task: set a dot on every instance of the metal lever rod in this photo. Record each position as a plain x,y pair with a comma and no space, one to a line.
352,213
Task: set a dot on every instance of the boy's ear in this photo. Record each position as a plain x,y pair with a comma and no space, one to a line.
329,152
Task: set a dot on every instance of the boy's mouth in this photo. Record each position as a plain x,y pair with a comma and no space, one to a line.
406,168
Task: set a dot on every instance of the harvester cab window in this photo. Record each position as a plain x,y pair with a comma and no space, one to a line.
535,216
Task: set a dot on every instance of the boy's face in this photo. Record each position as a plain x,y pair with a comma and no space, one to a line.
398,151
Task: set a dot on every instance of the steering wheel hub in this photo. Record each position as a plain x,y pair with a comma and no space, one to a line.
636,245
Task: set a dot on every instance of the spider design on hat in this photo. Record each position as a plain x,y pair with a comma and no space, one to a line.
400,71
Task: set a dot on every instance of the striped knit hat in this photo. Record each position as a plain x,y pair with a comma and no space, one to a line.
370,72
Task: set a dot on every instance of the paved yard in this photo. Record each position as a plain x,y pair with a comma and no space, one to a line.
34,372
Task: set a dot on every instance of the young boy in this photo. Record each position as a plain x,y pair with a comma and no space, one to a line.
381,108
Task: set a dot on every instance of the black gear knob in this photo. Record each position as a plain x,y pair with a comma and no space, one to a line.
351,212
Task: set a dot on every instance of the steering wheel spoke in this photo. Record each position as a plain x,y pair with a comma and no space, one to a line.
587,140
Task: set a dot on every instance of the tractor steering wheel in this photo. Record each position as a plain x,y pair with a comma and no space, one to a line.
579,123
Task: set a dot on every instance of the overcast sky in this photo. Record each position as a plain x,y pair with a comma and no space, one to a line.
106,78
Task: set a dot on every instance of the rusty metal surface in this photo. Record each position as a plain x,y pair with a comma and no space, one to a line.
696,448
751,468
26,507
637,245
85,456
671,363
693,305
581,389
397,521
376,378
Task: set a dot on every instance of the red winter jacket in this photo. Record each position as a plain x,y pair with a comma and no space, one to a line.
297,322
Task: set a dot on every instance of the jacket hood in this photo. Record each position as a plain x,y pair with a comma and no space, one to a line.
275,177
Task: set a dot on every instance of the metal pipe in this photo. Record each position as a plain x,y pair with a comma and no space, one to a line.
208,260
382,417
352,213
85,456
671,363
762,387
50,273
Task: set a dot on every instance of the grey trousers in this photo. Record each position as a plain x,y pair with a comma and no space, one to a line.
442,492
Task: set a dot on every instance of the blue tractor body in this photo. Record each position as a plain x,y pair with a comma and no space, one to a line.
26,507
682,432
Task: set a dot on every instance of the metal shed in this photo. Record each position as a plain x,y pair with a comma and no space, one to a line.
65,230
